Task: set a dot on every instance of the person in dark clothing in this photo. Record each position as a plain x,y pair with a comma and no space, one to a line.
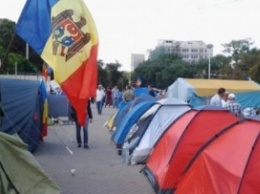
85,127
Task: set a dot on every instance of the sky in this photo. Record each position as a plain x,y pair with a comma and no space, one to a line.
134,27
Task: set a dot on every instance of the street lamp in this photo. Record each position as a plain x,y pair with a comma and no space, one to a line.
209,46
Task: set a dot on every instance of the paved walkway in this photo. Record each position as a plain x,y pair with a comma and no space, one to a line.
99,170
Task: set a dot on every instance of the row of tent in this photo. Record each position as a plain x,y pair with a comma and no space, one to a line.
23,125
188,150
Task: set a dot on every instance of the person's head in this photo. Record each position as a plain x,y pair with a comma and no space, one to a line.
99,87
149,87
221,92
231,97
225,97
128,87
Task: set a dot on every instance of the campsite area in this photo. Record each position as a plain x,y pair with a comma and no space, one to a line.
97,170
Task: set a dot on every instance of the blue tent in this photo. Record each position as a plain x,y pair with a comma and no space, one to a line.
140,91
125,107
129,120
22,104
142,98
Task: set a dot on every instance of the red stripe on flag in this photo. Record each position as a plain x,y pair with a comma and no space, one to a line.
82,85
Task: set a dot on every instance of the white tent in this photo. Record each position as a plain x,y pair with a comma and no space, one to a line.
168,111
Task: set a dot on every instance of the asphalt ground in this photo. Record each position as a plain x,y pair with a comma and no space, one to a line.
98,170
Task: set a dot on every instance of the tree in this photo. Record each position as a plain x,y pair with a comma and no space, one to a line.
157,52
163,71
7,35
239,51
236,48
254,72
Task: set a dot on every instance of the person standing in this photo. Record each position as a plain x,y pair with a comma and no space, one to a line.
89,119
216,100
99,99
128,95
108,97
233,106
115,96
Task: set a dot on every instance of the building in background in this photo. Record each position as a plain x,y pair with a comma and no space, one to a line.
190,51
136,59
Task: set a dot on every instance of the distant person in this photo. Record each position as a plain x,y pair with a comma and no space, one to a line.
216,100
128,94
115,97
225,100
89,119
108,97
233,106
99,99
151,91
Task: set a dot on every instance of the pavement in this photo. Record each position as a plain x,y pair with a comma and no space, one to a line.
98,170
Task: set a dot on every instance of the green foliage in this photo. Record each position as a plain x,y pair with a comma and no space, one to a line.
109,75
18,46
22,64
156,53
163,71
254,72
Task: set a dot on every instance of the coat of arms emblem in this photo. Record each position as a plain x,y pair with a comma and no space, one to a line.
68,38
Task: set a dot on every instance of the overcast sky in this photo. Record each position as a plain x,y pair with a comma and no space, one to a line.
127,27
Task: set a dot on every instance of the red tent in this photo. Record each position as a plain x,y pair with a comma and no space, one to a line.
180,142
229,163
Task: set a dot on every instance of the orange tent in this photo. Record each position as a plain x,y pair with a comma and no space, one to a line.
180,142
229,163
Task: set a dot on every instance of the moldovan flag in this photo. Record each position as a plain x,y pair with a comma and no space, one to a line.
45,71
43,93
63,33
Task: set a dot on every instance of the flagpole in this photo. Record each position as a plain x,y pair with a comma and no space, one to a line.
27,51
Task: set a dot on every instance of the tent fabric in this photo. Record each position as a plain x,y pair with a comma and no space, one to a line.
210,86
127,122
142,98
21,96
28,176
58,106
180,142
110,121
122,111
162,119
248,99
137,131
198,91
227,164
140,91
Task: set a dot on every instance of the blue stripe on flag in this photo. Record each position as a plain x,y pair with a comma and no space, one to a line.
34,24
